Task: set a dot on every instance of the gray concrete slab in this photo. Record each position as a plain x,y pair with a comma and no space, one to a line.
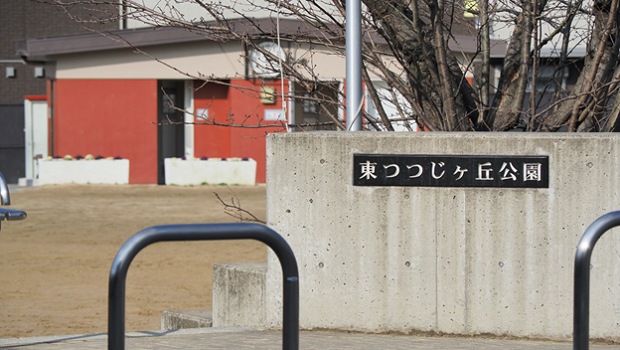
186,319
14,188
239,339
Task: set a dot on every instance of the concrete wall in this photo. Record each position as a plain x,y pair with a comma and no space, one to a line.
453,260
239,294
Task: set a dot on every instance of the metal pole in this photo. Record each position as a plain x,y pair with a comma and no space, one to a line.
5,194
581,308
203,232
52,141
354,65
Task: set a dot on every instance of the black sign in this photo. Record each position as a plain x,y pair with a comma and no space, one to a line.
450,171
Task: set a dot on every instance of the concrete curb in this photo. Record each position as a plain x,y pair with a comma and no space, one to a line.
186,319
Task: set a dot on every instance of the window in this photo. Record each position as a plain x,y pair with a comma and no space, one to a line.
546,80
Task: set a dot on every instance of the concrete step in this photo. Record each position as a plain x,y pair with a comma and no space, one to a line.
238,300
239,294
26,182
186,319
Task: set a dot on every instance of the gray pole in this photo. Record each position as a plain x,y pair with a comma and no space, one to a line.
354,65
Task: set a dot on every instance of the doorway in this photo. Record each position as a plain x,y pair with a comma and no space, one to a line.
313,109
36,134
12,150
170,127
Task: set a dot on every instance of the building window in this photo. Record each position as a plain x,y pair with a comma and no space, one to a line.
39,72
10,72
310,105
547,79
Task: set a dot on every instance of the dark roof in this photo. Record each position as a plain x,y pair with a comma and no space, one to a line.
107,40
469,44
101,41
291,29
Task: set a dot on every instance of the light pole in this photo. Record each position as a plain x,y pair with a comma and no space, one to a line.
354,65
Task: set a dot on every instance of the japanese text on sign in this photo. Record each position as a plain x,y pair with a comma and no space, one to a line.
451,171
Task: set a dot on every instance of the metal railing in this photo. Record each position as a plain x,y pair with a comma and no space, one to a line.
581,308
203,232
5,199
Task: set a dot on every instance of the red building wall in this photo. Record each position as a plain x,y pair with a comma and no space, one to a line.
115,118
239,103
109,118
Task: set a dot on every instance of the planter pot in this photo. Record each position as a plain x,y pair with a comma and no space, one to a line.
196,172
102,171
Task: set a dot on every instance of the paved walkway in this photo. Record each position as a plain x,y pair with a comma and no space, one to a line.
14,188
239,339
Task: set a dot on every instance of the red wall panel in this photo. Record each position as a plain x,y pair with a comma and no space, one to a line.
212,141
109,118
239,103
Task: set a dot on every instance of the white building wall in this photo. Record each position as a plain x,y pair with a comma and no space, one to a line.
177,61
157,62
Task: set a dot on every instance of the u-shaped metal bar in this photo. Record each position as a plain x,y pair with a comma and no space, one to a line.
581,306
5,196
203,232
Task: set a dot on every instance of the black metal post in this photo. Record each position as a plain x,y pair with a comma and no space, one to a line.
203,232
581,308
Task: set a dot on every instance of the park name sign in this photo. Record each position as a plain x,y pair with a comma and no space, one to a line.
450,171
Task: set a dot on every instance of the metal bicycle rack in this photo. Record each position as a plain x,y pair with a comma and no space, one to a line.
203,232
5,199
581,308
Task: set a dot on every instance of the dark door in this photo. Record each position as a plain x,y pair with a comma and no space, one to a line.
170,127
12,142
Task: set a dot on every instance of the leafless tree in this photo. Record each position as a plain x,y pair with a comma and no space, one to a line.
234,209
412,66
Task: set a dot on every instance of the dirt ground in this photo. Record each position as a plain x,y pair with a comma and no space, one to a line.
54,266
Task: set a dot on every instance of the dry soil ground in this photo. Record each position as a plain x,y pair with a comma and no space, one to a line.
54,266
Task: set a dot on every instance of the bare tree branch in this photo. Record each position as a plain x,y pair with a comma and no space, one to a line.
235,210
